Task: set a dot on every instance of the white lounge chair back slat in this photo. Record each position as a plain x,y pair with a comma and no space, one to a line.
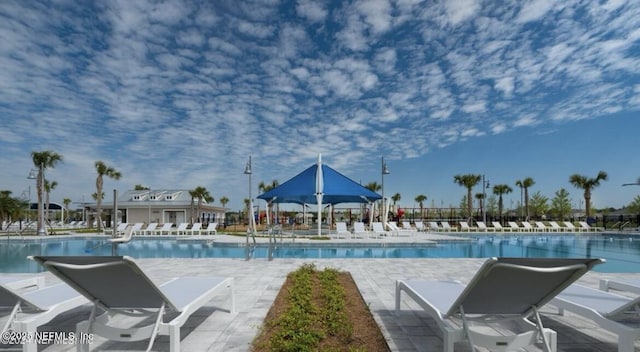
9,298
358,227
512,286
112,282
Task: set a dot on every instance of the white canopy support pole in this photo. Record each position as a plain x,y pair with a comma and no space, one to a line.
319,190
386,212
373,213
267,213
253,220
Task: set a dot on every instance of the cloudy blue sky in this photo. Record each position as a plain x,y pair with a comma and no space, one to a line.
178,94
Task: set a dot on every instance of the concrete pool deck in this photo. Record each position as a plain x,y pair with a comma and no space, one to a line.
257,283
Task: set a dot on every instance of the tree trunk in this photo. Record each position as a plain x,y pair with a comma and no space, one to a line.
40,195
99,202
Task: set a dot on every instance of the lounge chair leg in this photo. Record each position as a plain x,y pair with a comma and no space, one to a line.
465,325
548,345
85,327
82,327
30,347
12,316
174,338
398,292
626,343
447,343
154,332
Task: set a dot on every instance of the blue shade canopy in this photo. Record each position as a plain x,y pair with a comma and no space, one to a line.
335,188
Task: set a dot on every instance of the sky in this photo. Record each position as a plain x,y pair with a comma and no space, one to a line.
179,94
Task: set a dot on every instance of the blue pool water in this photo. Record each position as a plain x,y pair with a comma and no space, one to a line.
622,254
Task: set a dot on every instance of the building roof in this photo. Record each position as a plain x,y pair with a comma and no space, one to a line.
156,198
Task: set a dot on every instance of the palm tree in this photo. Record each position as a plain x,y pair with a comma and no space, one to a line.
499,190
420,200
264,187
66,202
11,207
202,195
395,198
224,200
103,170
48,187
525,184
587,184
468,181
373,186
43,160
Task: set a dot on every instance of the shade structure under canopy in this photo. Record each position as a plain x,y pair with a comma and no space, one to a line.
320,184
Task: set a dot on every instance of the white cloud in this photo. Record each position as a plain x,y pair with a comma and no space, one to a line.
525,121
505,85
534,10
461,10
312,10
376,13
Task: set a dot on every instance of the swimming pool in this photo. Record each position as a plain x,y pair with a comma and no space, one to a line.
622,254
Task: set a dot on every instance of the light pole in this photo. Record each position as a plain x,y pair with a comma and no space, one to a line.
42,231
384,171
485,185
149,201
248,171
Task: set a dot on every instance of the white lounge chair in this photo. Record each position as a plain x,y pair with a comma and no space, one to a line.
406,225
556,227
151,228
586,227
420,226
612,312
446,227
31,309
397,230
378,229
503,290
121,227
195,228
165,229
136,228
540,226
527,226
482,226
181,229
497,226
569,225
515,227
117,286
360,230
19,282
433,226
341,230
212,227
628,284
464,226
